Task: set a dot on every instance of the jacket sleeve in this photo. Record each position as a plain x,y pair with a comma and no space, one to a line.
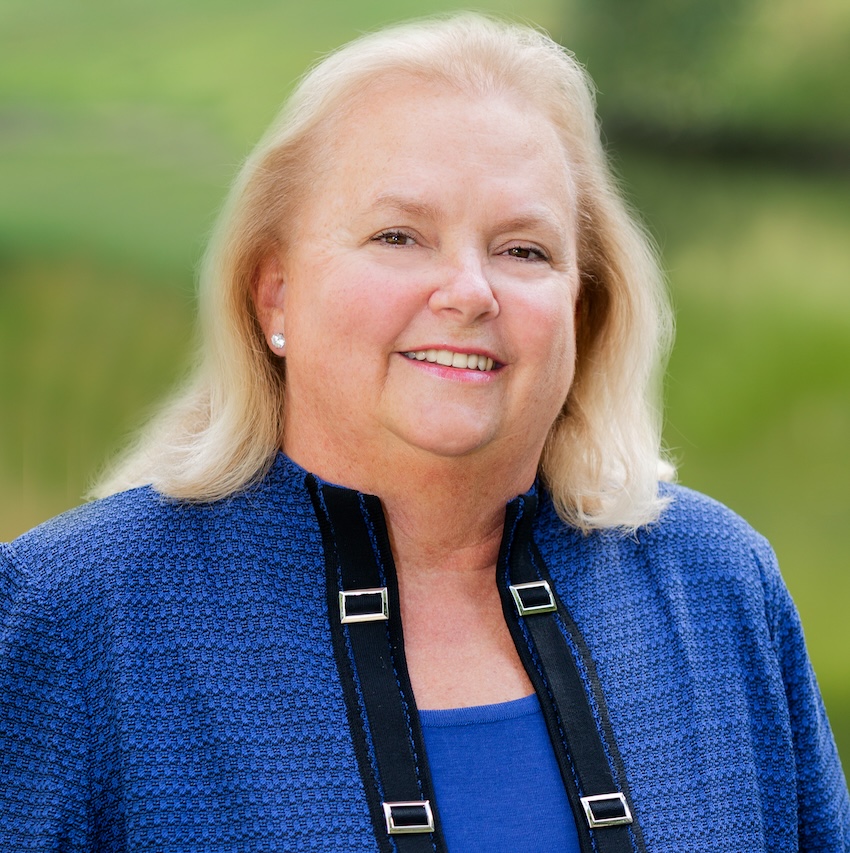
824,808
44,779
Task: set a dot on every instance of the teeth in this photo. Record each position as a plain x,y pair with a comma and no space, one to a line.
452,359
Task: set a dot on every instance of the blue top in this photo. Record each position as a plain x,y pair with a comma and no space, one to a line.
472,753
168,681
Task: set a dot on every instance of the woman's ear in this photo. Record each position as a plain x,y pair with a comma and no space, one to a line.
268,294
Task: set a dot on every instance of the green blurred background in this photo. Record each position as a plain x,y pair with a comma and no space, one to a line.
122,123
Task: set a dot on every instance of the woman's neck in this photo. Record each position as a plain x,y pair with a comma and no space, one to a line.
449,526
443,513
446,531
445,518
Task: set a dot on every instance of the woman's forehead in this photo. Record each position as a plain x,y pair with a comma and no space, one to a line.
404,123
413,94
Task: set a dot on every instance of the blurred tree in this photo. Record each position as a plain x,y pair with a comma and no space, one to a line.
651,57
731,78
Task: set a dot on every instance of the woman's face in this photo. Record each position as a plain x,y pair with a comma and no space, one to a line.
428,291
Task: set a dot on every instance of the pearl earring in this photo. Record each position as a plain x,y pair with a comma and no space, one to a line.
278,340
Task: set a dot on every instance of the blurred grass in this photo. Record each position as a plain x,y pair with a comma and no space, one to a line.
122,123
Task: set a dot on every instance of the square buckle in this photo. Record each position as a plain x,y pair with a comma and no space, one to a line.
410,816
606,810
363,605
534,597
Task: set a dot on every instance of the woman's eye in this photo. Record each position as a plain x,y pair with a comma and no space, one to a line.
394,238
527,253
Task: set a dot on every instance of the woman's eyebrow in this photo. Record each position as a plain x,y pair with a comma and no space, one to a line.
536,217
403,204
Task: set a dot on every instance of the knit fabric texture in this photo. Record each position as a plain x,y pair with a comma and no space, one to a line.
167,681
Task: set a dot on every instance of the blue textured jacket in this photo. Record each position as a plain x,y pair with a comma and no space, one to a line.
167,681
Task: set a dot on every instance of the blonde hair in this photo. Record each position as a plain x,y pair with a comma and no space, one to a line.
601,460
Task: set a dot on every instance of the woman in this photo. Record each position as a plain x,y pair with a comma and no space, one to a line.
427,399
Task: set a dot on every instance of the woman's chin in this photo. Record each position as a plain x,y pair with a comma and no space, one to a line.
448,440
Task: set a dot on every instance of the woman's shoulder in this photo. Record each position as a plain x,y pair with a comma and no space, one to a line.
693,516
696,540
687,517
707,533
141,533
61,553
689,506
98,525
701,540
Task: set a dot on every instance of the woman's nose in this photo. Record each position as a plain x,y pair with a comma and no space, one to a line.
465,291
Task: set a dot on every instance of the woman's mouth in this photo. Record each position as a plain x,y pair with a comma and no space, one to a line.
447,358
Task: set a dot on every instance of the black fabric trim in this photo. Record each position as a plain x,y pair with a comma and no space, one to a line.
587,753
390,748
379,700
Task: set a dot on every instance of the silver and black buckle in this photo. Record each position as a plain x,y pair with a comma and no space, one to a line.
363,605
606,810
407,817
534,597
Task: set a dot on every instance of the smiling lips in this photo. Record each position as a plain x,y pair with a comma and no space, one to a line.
447,358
